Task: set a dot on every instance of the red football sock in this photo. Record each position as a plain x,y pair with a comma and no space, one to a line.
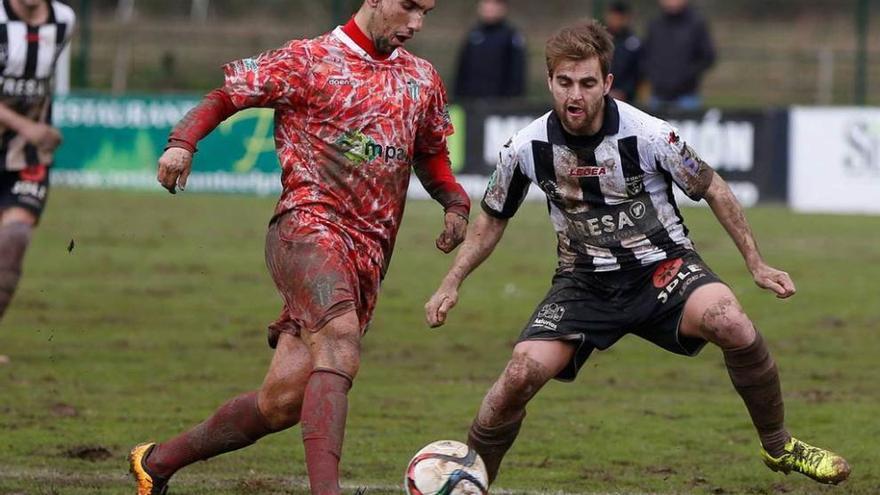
325,407
235,425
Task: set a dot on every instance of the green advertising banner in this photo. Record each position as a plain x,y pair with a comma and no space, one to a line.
115,143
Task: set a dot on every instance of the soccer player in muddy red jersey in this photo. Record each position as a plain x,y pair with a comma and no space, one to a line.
354,114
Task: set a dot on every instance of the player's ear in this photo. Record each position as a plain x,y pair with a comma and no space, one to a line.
609,81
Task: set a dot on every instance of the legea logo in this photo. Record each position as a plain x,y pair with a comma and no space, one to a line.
360,149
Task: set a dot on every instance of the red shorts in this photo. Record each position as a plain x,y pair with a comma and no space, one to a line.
320,274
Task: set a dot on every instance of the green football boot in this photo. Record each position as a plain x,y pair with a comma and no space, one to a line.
822,465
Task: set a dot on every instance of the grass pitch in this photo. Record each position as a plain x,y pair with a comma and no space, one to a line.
158,315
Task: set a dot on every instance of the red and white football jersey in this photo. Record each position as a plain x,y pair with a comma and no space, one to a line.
347,127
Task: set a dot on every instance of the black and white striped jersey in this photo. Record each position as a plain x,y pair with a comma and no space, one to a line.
610,195
27,64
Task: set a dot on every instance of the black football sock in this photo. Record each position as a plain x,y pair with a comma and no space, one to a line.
493,442
754,375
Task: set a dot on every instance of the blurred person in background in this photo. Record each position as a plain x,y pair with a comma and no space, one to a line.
355,115
627,51
678,51
32,35
492,60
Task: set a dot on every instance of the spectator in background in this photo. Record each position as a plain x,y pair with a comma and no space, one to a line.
678,51
492,60
627,51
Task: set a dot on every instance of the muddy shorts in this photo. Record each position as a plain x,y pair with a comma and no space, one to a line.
595,310
320,274
28,189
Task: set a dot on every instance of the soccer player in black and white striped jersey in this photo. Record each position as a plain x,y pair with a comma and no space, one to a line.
626,264
32,36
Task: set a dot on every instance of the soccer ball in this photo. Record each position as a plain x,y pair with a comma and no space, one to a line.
446,467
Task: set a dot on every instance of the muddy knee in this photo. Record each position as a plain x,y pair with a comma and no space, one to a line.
507,399
725,324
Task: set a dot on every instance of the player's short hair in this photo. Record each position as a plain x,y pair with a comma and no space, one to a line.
579,42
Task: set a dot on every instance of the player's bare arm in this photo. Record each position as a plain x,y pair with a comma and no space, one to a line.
481,241
730,214
175,163
41,135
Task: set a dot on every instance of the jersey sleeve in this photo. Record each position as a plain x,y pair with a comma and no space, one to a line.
273,78
436,125
508,185
673,156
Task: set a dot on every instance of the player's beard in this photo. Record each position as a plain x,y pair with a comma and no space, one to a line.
382,41
383,44
581,124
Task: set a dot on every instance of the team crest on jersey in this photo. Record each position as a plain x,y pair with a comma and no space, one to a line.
635,184
412,89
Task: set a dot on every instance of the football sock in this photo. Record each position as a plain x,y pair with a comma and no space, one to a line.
755,377
235,425
325,407
14,240
493,442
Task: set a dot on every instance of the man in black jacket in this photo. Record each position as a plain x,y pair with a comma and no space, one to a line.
492,60
627,51
678,50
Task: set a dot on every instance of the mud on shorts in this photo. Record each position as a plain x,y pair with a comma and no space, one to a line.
595,310
320,274
28,189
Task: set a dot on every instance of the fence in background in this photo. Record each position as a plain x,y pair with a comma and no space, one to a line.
817,159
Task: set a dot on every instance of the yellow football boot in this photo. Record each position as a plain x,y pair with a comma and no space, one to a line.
146,484
822,465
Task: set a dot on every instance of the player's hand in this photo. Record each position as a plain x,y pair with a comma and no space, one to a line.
43,136
778,281
439,305
454,230
174,168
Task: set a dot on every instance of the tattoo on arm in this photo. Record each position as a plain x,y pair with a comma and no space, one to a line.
705,173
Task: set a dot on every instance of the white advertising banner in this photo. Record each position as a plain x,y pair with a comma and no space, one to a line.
835,160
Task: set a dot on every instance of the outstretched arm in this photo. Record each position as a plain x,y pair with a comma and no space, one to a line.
730,214
435,174
176,163
480,242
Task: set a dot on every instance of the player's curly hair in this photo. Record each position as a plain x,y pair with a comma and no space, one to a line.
579,42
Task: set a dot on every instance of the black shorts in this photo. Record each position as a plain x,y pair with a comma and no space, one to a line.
28,189
595,310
